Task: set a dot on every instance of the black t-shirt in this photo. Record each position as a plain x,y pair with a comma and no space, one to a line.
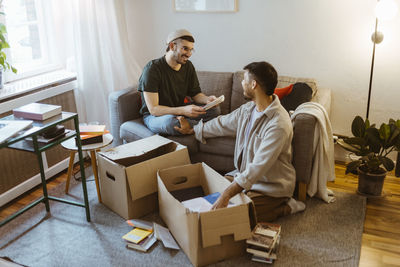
172,86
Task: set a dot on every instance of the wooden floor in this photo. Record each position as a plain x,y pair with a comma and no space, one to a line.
381,237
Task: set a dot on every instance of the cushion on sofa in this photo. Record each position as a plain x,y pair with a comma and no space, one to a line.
284,81
217,83
282,92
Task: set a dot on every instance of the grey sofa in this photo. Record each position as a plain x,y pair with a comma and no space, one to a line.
127,124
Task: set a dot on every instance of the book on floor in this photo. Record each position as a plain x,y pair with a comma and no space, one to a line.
136,235
142,224
261,259
264,242
37,111
143,245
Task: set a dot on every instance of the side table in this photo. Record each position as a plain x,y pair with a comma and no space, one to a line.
92,148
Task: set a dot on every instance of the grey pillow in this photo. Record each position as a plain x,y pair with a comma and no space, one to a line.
300,94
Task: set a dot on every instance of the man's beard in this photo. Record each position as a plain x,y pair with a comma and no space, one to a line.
247,97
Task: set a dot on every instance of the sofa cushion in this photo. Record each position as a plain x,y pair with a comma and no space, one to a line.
217,83
219,145
284,81
282,92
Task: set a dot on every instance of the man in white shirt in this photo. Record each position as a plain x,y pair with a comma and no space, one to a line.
263,152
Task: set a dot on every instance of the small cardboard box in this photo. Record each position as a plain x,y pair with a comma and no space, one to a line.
128,174
205,237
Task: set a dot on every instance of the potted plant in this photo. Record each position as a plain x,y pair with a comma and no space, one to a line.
371,146
4,65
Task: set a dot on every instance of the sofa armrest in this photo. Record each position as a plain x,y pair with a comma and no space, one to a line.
303,139
323,96
124,106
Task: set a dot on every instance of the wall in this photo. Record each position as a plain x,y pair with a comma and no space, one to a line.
326,40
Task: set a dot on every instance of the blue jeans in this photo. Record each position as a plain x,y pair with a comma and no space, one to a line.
164,125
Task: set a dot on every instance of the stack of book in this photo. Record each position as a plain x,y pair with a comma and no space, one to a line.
92,134
141,237
37,111
264,242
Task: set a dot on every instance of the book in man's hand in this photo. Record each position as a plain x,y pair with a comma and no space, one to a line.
217,101
37,111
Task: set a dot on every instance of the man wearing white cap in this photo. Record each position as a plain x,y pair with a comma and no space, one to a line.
166,82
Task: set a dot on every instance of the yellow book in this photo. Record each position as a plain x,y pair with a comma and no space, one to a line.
136,235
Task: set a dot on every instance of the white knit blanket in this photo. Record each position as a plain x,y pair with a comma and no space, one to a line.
323,169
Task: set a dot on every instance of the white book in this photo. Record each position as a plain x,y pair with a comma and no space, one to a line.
37,111
10,128
217,101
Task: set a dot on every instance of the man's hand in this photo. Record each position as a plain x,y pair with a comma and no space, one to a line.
229,192
193,111
185,126
222,202
211,98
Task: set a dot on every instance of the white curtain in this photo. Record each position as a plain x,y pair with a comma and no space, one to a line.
96,34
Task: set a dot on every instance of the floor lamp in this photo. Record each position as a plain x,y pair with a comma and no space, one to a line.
386,10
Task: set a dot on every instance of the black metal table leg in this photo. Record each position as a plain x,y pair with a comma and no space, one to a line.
82,167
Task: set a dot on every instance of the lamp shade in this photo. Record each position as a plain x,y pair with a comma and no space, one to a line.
386,9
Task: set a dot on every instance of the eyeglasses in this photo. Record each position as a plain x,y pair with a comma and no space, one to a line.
185,48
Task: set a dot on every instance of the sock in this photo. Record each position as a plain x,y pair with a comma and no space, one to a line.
296,206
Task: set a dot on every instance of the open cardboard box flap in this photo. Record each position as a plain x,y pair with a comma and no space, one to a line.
143,158
140,150
214,224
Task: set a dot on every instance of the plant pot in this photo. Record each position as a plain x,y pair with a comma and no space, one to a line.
370,184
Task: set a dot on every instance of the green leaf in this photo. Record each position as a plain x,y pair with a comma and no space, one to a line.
367,124
13,69
5,45
3,28
384,131
352,166
348,147
394,136
387,163
374,140
355,141
358,127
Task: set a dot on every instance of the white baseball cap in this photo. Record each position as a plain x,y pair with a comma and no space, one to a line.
178,34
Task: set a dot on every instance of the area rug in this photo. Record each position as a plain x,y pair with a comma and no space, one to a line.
323,235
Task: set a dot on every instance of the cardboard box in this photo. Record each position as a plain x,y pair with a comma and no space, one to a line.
128,174
205,237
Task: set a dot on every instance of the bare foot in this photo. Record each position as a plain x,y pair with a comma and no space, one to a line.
185,126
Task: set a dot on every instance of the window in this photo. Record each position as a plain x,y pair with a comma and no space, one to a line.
28,36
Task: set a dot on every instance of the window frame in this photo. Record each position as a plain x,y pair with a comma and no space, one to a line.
48,62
